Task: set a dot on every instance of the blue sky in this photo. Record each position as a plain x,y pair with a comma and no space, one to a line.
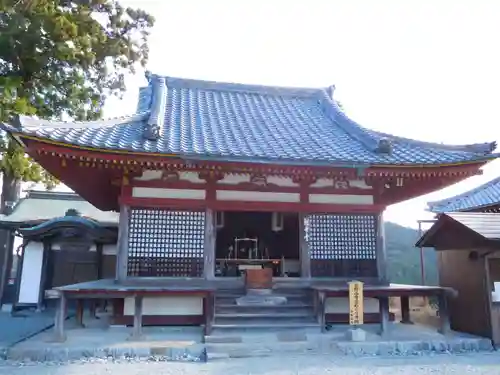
426,69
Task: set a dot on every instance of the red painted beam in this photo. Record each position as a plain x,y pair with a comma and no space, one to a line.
200,205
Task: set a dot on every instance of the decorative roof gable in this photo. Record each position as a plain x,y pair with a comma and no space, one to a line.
202,120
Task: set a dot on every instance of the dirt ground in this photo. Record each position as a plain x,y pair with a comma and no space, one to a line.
421,312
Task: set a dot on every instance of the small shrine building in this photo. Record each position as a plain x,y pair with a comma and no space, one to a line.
466,236
211,179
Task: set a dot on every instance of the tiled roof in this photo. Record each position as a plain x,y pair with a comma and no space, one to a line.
484,195
39,206
203,120
486,225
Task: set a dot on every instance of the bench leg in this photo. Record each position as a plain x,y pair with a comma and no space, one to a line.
321,311
137,329
59,334
80,308
384,316
405,310
444,316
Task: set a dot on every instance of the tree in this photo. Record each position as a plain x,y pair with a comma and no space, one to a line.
61,59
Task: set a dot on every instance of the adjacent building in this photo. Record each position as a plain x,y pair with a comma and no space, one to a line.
466,236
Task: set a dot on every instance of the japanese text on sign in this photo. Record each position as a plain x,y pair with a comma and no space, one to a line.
356,310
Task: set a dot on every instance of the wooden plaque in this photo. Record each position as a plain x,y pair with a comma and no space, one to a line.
356,308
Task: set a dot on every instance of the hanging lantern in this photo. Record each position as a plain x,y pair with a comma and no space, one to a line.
278,222
219,219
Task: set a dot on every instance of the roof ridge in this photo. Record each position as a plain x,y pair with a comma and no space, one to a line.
465,194
325,96
178,82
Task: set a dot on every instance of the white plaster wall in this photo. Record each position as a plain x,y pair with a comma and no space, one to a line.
257,196
282,181
145,192
234,179
340,199
191,177
149,175
106,249
180,305
328,182
31,273
340,305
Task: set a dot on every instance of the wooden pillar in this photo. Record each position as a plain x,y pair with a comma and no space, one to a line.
405,310
122,245
98,254
47,247
60,335
6,257
209,248
384,315
19,272
381,250
305,256
137,329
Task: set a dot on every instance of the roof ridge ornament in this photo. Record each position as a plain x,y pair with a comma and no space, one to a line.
330,90
384,146
154,126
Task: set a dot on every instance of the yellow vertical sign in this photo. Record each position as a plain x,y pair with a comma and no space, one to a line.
356,309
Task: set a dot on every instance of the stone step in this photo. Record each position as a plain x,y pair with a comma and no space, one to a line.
243,350
236,309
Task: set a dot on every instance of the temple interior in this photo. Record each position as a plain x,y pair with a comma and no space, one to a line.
257,239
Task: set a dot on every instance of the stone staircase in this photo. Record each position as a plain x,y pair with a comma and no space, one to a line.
296,313
241,330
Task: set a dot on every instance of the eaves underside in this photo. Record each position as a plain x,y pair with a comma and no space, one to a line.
347,164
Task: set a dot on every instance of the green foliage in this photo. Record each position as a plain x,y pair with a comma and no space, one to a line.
404,258
61,59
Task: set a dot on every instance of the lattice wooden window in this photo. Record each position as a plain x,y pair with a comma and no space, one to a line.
341,236
342,245
166,243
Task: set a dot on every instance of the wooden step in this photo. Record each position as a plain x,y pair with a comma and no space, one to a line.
266,320
265,315
263,326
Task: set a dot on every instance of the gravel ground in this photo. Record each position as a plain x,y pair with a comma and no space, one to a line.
488,363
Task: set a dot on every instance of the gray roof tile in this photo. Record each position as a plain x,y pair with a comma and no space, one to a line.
39,206
484,195
222,121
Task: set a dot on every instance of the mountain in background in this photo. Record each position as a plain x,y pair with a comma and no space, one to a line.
404,258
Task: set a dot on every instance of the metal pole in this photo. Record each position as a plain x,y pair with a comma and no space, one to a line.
422,260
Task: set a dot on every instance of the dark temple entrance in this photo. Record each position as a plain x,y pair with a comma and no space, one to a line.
255,240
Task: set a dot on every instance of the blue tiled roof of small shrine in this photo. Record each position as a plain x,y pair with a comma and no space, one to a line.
203,120
484,195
